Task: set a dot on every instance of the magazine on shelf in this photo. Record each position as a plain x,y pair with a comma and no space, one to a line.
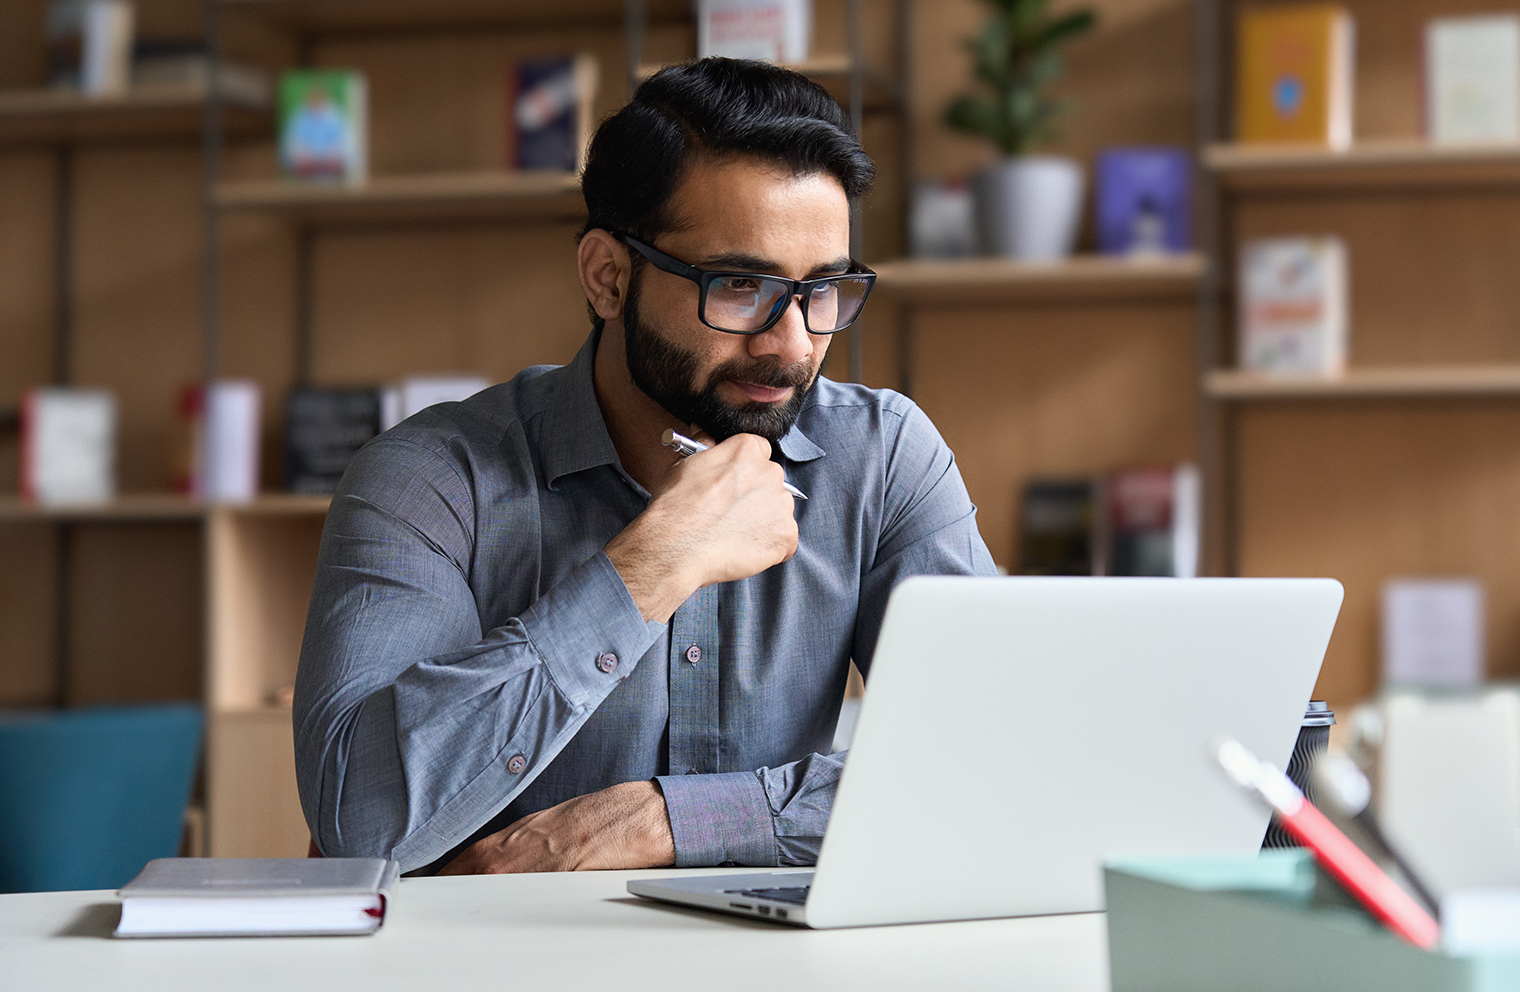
323,128
1294,314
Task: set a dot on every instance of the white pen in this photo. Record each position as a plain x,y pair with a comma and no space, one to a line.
686,447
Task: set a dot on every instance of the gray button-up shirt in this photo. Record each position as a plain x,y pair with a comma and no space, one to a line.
472,656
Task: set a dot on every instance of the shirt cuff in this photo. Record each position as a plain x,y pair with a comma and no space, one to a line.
589,631
719,819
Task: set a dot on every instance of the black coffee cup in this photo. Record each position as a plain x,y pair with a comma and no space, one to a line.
1313,738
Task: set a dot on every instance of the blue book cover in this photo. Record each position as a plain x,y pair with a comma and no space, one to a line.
1145,200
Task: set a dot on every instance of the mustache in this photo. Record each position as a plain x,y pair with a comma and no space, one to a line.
769,373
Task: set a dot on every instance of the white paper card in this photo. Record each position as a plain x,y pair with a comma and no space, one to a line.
1472,79
1433,632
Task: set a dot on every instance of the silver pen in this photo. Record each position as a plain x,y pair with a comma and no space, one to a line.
686,447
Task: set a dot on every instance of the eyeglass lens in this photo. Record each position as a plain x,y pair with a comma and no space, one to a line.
745,304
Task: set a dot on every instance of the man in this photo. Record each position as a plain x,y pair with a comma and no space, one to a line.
539,640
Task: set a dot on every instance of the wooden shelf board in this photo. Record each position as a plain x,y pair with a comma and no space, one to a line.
1433,382
525,195
346,16
975,280
833,73
52,116
154,508
1384,163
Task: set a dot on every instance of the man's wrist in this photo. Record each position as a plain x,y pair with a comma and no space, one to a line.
656,576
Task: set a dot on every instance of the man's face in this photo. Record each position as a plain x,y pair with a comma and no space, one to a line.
743,215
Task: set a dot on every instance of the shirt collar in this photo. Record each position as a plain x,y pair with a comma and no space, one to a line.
575,436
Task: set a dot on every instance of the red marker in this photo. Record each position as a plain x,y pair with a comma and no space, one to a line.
1334,851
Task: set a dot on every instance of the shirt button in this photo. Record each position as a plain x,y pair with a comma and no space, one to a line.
607,662
693,654
516,764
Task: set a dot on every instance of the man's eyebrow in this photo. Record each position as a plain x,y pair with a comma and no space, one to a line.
744,262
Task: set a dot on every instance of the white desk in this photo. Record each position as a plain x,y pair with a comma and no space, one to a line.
579,932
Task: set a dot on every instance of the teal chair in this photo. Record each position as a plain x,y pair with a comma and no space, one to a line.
89,796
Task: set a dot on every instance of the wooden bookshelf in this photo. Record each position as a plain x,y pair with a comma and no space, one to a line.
496,194
155,507
132,508
315,17
1388,164
833,73
984,280
49,116
1412,383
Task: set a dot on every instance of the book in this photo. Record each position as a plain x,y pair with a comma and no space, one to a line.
257,897
324,429
90,45
773,30
182,66
1294,74
1059,521
1154,521
417,393
1294,314
222,434
1472,79
549,110
1144,201
1433,632
68,445
324,125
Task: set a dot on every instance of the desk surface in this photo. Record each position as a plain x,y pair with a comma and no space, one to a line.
544,932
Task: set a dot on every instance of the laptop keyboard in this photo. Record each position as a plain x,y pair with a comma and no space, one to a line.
796,894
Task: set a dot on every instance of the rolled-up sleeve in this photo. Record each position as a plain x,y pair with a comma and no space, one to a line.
413,725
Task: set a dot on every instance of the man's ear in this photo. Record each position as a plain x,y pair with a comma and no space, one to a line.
604,269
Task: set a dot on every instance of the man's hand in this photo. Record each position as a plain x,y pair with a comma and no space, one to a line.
625,826
722,515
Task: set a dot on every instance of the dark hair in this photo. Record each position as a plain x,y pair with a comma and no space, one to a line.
713,107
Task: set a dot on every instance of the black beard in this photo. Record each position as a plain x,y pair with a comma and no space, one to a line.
666,373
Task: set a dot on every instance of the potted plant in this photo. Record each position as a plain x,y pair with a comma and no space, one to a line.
1028,205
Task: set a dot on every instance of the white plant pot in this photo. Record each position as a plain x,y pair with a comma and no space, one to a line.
1029,206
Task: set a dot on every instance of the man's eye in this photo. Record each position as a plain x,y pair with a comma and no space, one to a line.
738,284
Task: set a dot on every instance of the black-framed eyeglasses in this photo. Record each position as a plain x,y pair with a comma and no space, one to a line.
752,302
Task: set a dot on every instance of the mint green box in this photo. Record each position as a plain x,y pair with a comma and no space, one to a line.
1208,924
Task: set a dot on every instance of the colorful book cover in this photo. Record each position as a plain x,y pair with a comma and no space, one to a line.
773,30
1472,79
1145,201
324,125
549,106
1294,74
1293,308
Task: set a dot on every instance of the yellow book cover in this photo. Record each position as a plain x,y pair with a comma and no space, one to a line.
1294,75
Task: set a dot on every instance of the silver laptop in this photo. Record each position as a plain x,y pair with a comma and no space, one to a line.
1017,731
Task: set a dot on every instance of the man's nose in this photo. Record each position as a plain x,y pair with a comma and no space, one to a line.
787,339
